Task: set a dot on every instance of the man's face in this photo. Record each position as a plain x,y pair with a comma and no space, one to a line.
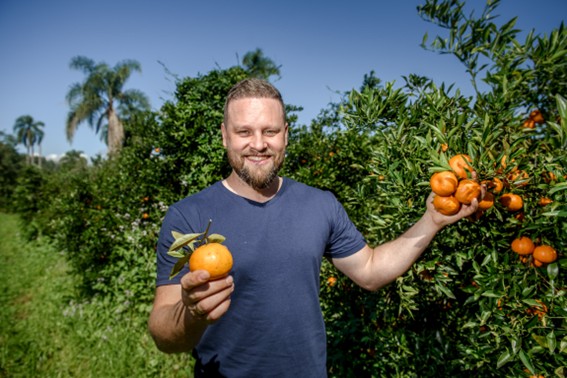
255,138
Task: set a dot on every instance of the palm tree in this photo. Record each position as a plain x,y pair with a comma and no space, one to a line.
259,65
100,97
29,132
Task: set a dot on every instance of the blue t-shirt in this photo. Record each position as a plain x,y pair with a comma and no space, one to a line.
274,326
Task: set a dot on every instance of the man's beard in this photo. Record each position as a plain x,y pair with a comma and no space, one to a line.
258,179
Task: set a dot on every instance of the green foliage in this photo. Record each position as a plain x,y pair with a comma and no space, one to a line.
11,163
46,331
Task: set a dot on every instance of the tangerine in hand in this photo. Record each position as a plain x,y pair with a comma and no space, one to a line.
215,258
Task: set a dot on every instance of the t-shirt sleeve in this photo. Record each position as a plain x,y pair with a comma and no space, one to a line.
345,239
173,221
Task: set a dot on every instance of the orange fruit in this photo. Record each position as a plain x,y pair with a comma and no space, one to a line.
536,116
145,216
529,123
443,183
498,185
549,177
446,205
537,263
331,281
523,245
460,166
495,185
520,176
543,201
545,253
511,201
467,191
215,258
487,202
444,147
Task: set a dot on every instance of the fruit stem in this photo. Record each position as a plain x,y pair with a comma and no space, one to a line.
205,239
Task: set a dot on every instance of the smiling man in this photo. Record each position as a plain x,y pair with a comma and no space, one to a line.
264,319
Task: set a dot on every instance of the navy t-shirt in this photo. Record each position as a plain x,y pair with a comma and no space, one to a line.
274,326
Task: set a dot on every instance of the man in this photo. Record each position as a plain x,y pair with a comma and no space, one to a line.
265,319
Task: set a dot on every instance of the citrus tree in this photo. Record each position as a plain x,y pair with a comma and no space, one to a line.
470,304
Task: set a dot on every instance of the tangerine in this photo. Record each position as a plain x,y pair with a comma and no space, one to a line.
511,201
544,201
545,254
460,166
467,190
446,205
215,258
529,123
536,116
443,183
487,202
523,245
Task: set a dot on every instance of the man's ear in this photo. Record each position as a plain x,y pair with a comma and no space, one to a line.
286,133
223,132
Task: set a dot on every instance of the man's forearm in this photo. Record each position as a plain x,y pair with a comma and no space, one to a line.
173,330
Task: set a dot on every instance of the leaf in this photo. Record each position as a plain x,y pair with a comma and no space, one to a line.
542,341
445,291
504,359
176,235
182,241
178,266
176,254
216,238
563,345
553,271
551,341
526,361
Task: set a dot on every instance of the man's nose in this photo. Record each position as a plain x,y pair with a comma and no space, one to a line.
258,142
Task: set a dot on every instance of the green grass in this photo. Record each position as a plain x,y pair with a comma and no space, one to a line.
46,330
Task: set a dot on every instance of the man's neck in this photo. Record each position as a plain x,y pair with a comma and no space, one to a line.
236,185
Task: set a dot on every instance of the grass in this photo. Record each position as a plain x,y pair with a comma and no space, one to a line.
47,330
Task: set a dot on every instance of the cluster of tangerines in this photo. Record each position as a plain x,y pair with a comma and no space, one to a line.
459,186
453,188
541,254
535,118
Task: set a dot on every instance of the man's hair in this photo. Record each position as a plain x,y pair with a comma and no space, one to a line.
253,88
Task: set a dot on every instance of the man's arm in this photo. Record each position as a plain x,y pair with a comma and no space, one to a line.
373,268
181,313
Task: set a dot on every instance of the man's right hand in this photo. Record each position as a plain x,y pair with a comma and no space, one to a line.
181,313
204,299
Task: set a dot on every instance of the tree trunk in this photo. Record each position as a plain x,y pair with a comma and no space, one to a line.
115,133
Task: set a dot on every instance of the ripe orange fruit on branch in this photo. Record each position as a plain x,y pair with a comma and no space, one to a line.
536,116
544,201
487,202
446,205
511,201
467,191
459,165
443,183
545,253
215,258
523,245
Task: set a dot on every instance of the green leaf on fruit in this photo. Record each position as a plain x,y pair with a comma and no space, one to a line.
183,240
176,254
216,238
176,235
178,266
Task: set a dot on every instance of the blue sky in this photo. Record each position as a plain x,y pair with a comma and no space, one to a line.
322,47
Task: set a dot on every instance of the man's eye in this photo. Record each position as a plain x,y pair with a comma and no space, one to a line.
271,132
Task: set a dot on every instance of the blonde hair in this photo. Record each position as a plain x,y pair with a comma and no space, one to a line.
253,88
